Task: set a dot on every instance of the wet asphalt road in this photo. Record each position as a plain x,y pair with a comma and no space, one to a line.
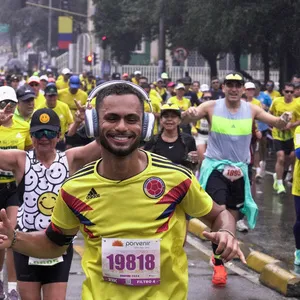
273,234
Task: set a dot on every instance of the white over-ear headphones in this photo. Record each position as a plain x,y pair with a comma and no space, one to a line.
91,116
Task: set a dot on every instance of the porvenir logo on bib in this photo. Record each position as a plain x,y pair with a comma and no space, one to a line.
154,187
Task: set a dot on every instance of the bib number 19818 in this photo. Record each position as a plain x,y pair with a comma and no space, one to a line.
131,261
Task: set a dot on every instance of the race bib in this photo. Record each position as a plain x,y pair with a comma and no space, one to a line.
203,125
133,262
46,262
232,173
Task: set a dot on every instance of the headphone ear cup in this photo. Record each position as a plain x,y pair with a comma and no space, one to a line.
148,125
91,123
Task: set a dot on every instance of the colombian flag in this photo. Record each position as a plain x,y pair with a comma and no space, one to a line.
65,31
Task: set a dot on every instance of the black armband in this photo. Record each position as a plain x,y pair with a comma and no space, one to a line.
55,235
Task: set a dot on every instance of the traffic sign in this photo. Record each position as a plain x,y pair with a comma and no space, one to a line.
180,54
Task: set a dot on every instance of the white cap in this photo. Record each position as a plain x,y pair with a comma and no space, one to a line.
179,86
44,77
34,79
249,85
137,73
66,71
204,88
8,93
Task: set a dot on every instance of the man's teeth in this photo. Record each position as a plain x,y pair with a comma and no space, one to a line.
119,138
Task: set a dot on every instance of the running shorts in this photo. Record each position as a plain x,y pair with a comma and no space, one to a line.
43,274
226,192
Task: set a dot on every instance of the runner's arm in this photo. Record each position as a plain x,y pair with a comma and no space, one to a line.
261,115
35,244
79,156
13,160
219,218
195,113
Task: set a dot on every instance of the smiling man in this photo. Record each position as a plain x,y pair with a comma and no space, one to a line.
140,254
224,171
40,174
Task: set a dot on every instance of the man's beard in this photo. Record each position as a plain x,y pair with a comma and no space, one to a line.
102,140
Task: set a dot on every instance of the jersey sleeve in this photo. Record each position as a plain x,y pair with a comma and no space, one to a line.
297,137
62,215
196,203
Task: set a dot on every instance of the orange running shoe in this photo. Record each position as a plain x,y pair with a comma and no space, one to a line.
220,276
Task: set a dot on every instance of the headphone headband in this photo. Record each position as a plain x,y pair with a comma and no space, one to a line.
136,87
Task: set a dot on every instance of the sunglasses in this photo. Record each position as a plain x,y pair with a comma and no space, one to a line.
207,98
48,134
34,84
5,102
289,92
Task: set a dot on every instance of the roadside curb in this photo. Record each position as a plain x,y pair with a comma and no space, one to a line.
271,273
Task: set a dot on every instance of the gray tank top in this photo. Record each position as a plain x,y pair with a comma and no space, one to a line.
230,134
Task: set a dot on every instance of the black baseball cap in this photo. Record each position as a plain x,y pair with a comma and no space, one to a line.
116,76
14,78
51,89
44,118
25,92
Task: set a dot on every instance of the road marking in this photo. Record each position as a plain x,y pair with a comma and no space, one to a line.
251,276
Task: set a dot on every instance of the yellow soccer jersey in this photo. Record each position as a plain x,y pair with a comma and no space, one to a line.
149,206
68,98
296,175
274,94
15,137
61,84
183,104
64,114
39,100
278,107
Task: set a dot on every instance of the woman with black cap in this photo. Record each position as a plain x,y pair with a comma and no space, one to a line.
175,145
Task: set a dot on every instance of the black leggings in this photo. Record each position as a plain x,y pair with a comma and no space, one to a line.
297,223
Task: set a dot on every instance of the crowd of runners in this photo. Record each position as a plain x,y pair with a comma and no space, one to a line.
76,151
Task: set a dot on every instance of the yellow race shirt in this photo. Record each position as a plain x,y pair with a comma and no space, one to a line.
68,98
255,101
156,109
183,104
61,84
39,100
64,114
278,107
296,175
154,94
149,206
134,80
274,94
161,91
16,136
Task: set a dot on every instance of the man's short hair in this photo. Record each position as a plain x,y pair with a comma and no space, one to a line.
118,89
214,78
290,84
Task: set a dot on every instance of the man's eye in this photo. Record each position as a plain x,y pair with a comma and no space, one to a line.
132,120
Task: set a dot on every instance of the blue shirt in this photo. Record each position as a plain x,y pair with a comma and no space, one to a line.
267,101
